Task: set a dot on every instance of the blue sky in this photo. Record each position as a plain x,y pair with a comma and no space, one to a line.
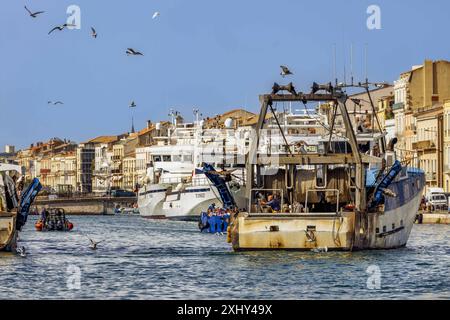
211,54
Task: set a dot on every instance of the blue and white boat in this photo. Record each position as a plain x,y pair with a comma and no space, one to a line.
14,209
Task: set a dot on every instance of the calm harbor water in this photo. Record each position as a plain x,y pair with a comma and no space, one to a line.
145,259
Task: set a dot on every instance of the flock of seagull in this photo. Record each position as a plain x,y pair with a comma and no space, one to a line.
94,34
130,51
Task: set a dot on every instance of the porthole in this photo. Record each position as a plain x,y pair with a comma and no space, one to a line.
384,229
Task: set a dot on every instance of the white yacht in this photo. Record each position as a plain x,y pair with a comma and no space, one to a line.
175,186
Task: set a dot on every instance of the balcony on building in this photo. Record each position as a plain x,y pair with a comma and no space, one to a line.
431,176
424,145
398,106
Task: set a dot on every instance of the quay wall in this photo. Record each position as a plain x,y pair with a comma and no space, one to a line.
436,218
85,206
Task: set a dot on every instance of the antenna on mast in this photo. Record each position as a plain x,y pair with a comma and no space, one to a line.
334,64
351,63
365,63
345,70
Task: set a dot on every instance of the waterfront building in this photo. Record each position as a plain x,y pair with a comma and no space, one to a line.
429,84
30,158
9,155
403,119
62,176
240,118
121,149
129,173
384,109
85,166
446,140
389,127
423,91
101,181
429,145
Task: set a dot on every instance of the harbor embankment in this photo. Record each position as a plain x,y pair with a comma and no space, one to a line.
436,217
86,205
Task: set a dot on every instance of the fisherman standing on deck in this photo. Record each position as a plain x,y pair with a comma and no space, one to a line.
273,202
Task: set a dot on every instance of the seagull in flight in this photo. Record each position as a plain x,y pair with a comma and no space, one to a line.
93,245
55,103
21,251
285,71
131,51
94,33
33,14
62,27
133,105
156,15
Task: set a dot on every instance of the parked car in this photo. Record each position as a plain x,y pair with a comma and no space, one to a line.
438,201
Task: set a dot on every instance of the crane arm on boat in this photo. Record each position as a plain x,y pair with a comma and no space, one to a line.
220,183
26,201
381,188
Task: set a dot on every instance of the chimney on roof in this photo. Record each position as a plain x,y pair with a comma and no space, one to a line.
10,149
149,124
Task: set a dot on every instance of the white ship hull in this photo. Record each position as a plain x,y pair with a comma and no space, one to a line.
150,200
183,205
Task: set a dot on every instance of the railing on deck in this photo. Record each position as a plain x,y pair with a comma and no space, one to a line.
322,190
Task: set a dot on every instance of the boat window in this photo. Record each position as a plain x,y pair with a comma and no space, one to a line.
166,158
157,158
321,176
176,158
187,158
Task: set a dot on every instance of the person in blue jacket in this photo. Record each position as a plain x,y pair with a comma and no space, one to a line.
273,202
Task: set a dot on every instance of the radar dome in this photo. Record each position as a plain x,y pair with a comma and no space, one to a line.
229,123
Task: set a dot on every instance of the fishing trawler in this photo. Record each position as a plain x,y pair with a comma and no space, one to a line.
352,193
13,211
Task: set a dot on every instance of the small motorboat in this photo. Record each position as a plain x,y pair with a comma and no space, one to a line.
53,220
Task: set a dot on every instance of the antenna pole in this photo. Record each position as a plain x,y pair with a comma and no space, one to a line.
365,63
334,64
351,63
